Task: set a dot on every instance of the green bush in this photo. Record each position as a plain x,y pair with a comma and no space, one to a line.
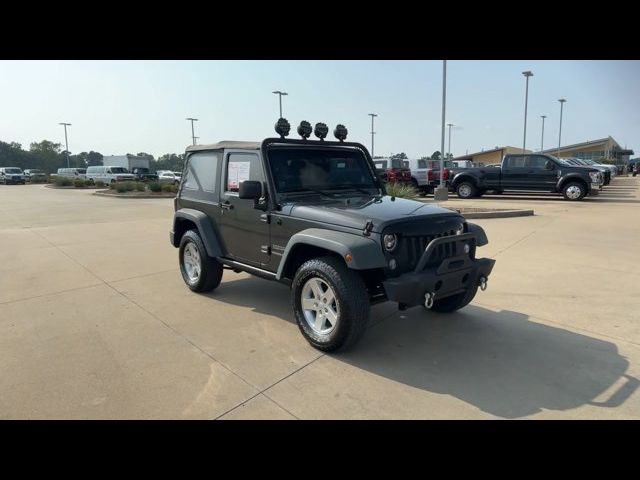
79,183
140,186
401,190
121,187
155,187
62,182
39,180
169,188
112,185
99,183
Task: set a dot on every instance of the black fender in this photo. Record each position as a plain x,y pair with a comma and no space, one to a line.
206,229
573,176
366,253
478,231
462,176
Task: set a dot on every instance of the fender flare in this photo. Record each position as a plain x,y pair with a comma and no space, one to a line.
478,231
460,177
205,227
366,252
569,177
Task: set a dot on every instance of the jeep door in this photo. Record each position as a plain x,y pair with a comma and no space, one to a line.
244,228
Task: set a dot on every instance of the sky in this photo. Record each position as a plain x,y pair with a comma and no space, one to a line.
118,107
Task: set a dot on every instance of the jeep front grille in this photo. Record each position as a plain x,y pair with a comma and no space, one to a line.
415,246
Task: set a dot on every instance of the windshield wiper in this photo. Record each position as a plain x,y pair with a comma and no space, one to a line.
302,190
350,187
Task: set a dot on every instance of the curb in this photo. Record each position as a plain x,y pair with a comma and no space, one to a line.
115,195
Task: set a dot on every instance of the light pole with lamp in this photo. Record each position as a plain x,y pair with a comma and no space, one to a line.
372,115
193,135
280,94
527,74
441,193
542,140
66,143
561,100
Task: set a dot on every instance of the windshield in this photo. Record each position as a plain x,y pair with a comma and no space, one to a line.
563,161
12,170
118,170
382,164
299,169
140,170
34,172
82,170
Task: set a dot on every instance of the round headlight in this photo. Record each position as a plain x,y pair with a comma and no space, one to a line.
390,241
460,229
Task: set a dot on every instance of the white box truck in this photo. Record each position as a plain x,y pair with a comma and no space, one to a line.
138,166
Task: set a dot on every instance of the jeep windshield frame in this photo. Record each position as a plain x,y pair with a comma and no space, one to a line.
355,152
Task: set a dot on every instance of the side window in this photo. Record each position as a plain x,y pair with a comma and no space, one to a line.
201,172
537,162
422,164
241,167
517,162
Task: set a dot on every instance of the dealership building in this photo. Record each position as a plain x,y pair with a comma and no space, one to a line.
604,148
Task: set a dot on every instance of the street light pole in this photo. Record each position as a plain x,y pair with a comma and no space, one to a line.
372,115
561,100
527,74
66,142
449,149
542,140
280,94
441,192
193,135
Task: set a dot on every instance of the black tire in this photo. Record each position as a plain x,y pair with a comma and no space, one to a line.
466,189
569,191
351,298
454,302
210,269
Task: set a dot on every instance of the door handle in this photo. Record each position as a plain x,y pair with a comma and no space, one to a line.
226,206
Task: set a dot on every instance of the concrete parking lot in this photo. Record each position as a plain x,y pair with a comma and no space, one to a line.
95,322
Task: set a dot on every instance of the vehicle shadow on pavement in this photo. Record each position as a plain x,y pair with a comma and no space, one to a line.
500,362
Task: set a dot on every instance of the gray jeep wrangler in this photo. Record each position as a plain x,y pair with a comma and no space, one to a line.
314,214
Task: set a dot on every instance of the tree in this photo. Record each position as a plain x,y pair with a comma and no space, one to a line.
435,155
94,158
399,156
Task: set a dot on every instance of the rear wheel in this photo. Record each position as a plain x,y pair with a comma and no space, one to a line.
574,191
330,303
199,271
466,190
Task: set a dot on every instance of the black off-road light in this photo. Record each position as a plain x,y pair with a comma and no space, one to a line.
304,129
321,131
340,132
282,127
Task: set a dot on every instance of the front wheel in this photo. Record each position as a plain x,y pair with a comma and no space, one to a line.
454,302
574,191
330,303
200,272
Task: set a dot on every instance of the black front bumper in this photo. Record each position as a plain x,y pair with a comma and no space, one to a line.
454,275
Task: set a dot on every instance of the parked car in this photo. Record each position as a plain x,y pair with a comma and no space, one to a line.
535,172
72,173
143,174
32,174
577,162
11,175
434,167
169,177
420,176
108,174
313,215
395,169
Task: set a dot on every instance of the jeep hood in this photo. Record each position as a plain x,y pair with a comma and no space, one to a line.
354,212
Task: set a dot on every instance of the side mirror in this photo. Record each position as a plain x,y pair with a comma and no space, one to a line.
549,165
250,190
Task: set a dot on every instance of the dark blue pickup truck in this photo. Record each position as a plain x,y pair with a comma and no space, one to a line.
528,172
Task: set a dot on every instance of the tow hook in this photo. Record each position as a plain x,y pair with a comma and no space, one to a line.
483,283
428,299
